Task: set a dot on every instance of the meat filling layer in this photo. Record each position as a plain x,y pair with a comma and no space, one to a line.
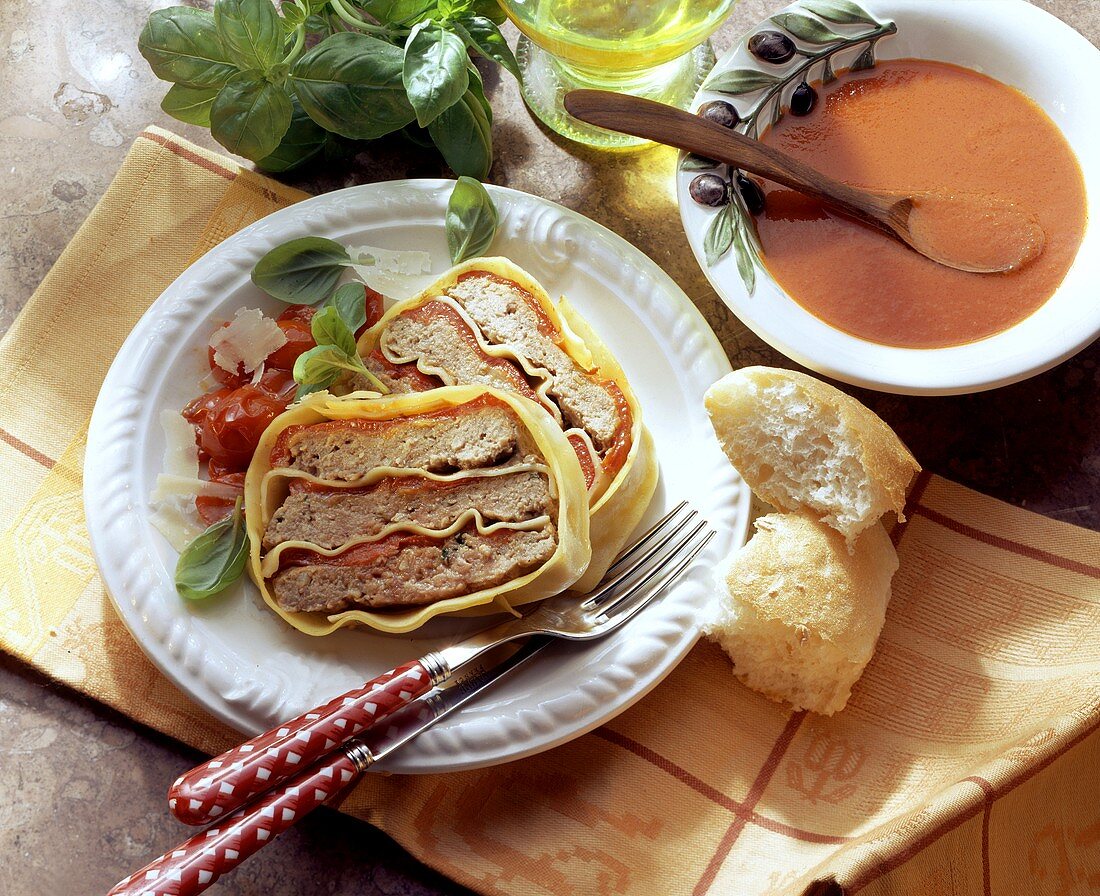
345,450
506,316
415,572
331,518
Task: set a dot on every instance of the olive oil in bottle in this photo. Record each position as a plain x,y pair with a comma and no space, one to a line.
652,48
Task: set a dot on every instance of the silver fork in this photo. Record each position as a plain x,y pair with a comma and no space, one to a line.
232,779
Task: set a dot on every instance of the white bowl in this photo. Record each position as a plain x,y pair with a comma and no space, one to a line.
1022,46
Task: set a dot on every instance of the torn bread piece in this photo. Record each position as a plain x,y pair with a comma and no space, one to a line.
799,614
803,445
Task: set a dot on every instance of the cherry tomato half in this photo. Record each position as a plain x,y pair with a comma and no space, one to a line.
232,428
197,409
211,509
375,309
299,339
297,312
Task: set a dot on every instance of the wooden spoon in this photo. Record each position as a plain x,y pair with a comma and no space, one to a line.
967,232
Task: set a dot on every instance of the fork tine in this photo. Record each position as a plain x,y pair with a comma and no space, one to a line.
646,575
666,533
635,603
649,533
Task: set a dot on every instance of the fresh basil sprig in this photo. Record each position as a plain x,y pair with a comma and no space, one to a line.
214,560
335,352
472,220
372,67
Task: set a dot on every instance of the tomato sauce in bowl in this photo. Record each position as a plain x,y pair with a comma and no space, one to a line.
914,126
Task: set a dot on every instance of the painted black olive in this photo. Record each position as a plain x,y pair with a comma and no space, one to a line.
771,46
803,99
709,189
751,193
720,112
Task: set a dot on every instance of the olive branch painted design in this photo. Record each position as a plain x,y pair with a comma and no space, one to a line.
737,196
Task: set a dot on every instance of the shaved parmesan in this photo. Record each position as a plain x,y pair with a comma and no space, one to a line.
172,503
248,340
181,454
173,506
396,273
175,520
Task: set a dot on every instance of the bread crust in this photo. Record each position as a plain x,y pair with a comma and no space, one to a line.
802,613
838,595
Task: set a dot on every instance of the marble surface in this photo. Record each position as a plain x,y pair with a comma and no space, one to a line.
84,788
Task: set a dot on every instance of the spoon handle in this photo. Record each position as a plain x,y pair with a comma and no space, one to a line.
675,127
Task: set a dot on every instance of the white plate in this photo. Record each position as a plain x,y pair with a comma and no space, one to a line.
1020,45
247,667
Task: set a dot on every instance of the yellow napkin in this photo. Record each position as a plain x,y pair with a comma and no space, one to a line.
965,762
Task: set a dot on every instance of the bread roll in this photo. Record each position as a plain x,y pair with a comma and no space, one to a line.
800,614
803,445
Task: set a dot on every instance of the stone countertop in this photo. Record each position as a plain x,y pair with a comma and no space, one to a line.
84,788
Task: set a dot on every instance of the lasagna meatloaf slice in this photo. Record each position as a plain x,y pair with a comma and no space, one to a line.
411,570
492,465
436,337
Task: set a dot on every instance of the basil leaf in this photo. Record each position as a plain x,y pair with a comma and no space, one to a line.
182,45
398,12
719,236
434,74
293,16
471,220
477,88
491,9
463,135
326,363
301,271
303,141
482,35
250,31
350,302
214,560
249,116
843,12
740,80
452,9
351,84
329,329
189,104
805,28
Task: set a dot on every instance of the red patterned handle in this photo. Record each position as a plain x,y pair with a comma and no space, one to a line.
226,782
194,865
